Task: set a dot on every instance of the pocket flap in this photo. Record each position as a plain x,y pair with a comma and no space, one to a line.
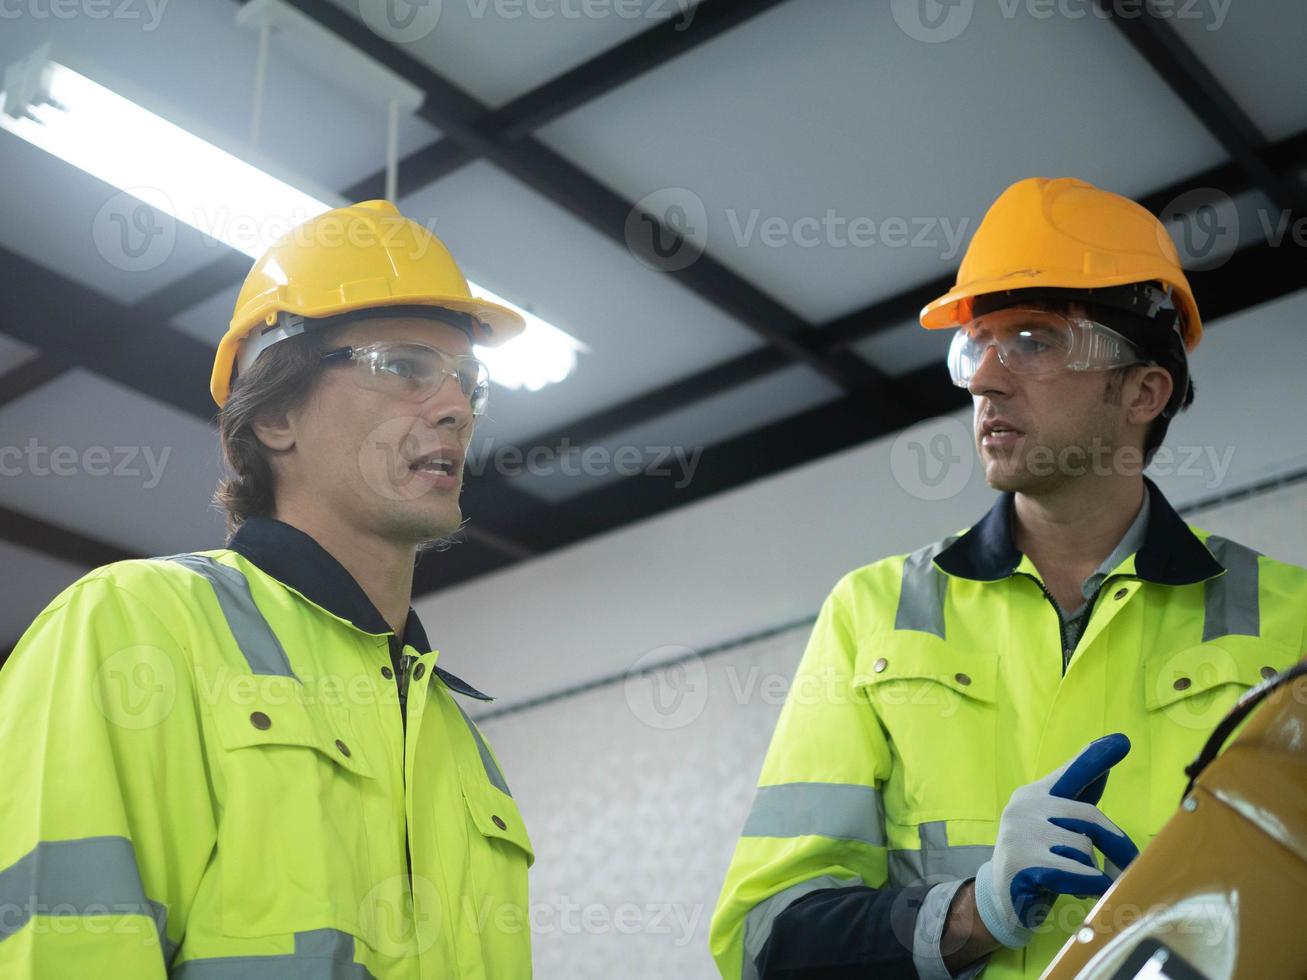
269,712
1192,671
910,655
496,815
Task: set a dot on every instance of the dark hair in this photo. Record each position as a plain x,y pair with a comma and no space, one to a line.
279,381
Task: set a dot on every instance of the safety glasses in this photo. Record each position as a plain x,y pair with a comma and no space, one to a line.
1037,342
414,372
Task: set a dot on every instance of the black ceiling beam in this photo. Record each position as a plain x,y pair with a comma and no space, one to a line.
1162,47
466,121
57,542
74,326
30,375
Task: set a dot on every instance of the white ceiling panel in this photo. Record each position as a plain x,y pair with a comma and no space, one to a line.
14,353
643,329
499,49
905,347
33,581
844,175
1256,51
103,460
670,446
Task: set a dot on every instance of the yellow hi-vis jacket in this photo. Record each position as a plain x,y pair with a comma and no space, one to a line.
933,686
206,775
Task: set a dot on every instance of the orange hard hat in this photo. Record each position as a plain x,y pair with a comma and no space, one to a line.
354,258
1068,234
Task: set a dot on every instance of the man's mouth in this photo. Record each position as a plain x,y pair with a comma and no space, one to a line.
996,433
441,467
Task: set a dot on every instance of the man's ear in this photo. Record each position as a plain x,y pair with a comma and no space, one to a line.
1152,390
277,432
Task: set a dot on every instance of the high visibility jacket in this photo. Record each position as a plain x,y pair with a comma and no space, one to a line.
206,775
933,686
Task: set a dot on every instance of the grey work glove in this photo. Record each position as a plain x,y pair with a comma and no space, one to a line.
1046,838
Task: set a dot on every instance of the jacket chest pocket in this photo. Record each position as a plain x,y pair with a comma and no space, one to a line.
292,843
936,704
1186,694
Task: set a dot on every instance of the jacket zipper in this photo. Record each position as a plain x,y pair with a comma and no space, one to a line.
1061,623
403,664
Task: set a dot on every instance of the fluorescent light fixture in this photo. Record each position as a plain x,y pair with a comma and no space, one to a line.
193,180
540,355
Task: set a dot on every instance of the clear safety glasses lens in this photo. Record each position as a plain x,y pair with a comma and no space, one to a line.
414,372
1036,342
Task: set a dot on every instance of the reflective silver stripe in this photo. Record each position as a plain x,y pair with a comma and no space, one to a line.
844,811
81,877
936,861
259,644
758,923
492,771
921,594
1230,604
320,954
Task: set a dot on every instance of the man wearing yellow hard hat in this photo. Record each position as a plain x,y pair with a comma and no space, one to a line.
246,762
945,808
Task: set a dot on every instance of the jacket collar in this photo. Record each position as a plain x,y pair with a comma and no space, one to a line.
296,560
1171,553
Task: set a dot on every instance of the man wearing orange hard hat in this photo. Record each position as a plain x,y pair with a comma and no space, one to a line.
289,786
945,808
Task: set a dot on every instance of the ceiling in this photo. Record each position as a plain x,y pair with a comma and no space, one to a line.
556,141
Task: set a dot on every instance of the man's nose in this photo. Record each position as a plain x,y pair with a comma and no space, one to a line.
447,406
991,376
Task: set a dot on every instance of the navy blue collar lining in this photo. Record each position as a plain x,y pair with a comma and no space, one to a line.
1171,554
297,560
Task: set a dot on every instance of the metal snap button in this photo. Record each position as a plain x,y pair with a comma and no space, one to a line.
344,749
260,721
1182,684
962,678
498,821
880,665
387,673
1120,593
418,671
1269,672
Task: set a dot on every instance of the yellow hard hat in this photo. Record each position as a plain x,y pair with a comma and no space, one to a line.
352,258
1065,233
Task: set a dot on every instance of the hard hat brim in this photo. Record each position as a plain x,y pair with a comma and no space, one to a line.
950,310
